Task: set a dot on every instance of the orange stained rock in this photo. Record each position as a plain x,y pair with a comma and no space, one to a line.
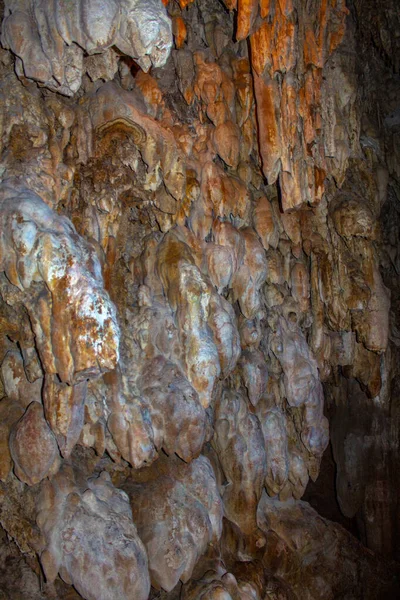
184,3
265,7
179,30
248,139
309,104
311,51
270,139
218,112
264,223
290,118
241,67
192,194
218,262
323,19
261,47
228,90
149,88
184,138
286,6
336,36
231,4
247,12
208,80
319,179
244,89
225,194
274,45
309,182
313,47
202,149
284,48
292,186
227,140
331,28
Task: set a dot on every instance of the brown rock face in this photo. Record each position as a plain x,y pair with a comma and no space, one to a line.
199,260
33,446
289,108
11,411
175,540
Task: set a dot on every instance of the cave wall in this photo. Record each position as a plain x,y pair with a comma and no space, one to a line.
199,256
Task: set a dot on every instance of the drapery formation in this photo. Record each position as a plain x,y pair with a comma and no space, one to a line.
198,261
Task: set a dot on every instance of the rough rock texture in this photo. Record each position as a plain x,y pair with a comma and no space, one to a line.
178,512
301,546
199,299
90,538
33,446
50,38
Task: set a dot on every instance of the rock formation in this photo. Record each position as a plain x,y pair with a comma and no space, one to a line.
199,299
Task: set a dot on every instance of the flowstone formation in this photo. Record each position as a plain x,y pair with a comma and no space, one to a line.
199,224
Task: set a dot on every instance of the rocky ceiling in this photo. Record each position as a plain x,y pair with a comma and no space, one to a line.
199,299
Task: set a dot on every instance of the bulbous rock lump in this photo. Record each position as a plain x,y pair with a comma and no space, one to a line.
302,383
49,38
177,515
178,419
239,444
241,202
206,325
10,412
74,322
33,446
91,539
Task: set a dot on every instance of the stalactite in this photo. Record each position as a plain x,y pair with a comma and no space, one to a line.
198,294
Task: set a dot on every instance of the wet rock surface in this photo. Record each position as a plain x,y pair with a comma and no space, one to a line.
199,266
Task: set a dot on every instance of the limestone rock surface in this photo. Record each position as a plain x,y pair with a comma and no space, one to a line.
50,38
199,299
90,538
